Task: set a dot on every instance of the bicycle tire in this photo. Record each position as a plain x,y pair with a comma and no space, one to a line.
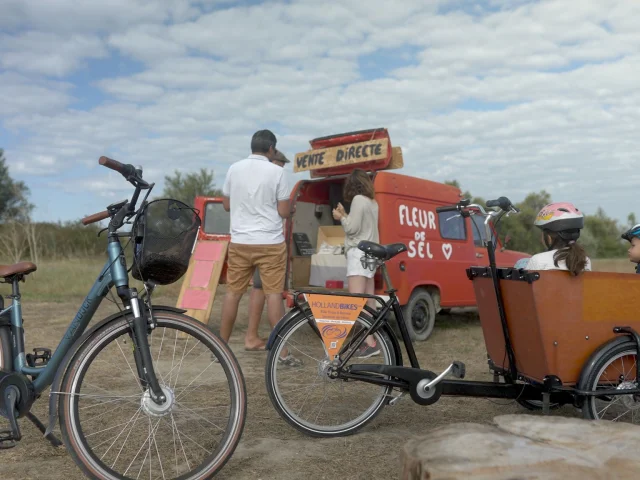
281,408
72,436
589,409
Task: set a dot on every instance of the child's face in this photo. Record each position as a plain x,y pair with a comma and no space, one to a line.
634,250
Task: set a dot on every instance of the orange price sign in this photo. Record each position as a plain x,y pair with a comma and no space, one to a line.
335,316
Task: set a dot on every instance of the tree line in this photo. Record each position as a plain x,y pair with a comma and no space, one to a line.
21,238
600,236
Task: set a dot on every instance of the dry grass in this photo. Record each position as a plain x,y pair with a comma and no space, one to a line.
61,280
621,265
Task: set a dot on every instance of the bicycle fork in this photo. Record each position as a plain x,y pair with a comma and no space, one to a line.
141,351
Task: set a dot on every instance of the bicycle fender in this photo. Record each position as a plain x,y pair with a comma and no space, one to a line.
600,352
290,315
57,380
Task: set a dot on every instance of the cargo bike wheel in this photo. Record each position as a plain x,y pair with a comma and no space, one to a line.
613,366
303,393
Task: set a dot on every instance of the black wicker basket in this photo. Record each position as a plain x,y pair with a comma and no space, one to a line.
165,232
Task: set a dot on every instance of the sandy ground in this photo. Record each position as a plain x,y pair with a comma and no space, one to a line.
270,448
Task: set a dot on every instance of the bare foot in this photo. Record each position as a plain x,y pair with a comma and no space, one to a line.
258,346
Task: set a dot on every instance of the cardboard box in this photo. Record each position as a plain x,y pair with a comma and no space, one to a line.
301,271
331,234
327,268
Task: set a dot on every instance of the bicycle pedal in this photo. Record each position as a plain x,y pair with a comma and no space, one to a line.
458,369
6,440
39,358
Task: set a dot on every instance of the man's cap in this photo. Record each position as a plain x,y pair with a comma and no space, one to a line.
280,157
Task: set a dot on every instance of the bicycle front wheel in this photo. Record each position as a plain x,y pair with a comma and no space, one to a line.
114,430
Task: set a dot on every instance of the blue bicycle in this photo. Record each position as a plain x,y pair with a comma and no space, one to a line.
148,391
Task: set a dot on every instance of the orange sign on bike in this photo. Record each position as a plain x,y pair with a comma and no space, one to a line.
335,316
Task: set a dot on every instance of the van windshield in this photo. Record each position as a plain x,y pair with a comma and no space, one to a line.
217,220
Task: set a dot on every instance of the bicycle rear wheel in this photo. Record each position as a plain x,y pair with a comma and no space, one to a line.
113,429
305,396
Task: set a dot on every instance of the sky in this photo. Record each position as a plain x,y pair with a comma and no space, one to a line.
507,97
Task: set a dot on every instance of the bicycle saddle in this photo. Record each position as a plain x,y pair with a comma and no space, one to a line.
382,252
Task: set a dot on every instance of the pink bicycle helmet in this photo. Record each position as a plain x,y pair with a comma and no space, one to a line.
559,217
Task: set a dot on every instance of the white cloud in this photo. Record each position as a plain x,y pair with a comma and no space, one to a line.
131,89
20,95
105,17
147,43
499,99
48,53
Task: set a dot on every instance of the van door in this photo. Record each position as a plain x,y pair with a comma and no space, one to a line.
456,252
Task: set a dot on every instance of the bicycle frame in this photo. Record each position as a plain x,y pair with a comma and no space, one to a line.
412,377
113,273
380,320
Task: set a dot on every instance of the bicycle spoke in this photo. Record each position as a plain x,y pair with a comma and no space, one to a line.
124,443
173,421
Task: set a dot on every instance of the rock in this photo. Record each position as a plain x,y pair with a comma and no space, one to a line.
520,447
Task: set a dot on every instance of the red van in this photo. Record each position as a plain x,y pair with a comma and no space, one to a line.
430,277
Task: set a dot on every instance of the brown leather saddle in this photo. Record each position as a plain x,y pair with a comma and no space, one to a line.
20,268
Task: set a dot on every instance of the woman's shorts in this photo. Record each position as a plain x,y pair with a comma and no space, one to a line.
354,267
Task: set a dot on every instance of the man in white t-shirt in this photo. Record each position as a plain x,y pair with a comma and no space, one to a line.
252,340
255,192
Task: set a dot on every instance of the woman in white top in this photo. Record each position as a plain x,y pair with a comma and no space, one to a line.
560,224
360,224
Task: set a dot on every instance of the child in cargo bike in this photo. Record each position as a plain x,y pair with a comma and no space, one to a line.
633,237
560,224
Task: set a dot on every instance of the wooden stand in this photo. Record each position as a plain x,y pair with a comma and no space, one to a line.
202,278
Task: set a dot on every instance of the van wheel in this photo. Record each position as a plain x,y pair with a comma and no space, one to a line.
420,314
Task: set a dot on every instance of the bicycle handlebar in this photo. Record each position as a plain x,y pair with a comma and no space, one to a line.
449,208
464,207
122,209
125,169
503,203
96,217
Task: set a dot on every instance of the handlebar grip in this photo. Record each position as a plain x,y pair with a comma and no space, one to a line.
125,170
96,217
503,202
448,208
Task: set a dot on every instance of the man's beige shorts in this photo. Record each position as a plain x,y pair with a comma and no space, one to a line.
243,259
